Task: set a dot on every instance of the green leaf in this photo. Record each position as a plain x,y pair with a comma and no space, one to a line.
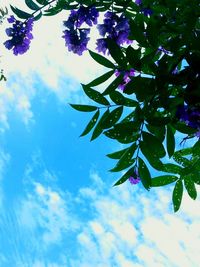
116,53
170,142
143,87
102,60
181,160
114,85
32,5
163,180
138,34
113,117
133,57
154,144
37,17
101,79
91,124
177,195
196,177
144,174
171,168
190,187
159,132
42,2
122,130
119,99
117,154
152,158
181,127
125,177
126,159
95,95
196,148
52,11
21,14
99,127
84,108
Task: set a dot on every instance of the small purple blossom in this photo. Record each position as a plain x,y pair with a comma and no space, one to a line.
114,27
126,77
147,11
162,49
190,116
20,34
138,2
134,180
88,15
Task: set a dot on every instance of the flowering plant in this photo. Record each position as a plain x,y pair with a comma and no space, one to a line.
153,55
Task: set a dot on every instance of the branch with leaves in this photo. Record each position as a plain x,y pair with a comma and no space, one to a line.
151,49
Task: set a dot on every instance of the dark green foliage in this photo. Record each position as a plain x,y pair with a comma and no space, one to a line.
95,95
84,108
102,60
21,14
144,116
32,5
144,174
91,124
163,180
101,79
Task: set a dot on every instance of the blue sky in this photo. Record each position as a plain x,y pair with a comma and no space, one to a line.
57,204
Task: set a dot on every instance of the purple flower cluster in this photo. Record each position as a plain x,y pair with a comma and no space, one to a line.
190,116
114,27
76,39
126,77
134,179
20,34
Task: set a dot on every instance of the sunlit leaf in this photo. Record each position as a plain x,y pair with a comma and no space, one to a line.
177,195
190,187
163,180
144,174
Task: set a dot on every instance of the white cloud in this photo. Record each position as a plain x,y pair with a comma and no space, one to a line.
46,208
123,226
47,62
135,229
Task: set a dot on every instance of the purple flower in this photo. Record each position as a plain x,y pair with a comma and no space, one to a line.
126,77
138,2
198,134
134,180
88,15
76,18
20,34
189,115
101,45
76,40
147,11
114,27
